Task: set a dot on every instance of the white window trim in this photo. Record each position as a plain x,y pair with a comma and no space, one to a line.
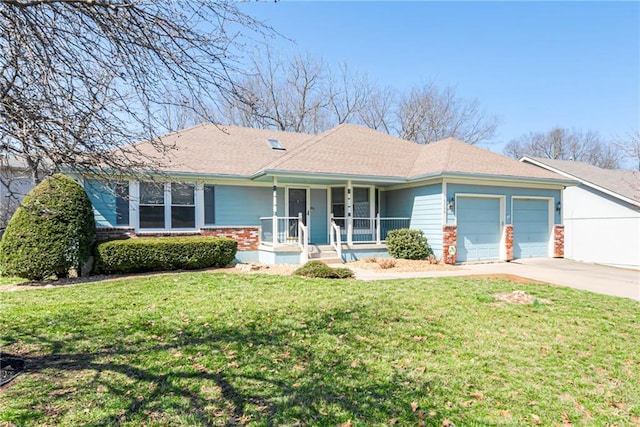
134,208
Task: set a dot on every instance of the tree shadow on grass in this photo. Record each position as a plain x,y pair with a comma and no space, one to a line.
223,375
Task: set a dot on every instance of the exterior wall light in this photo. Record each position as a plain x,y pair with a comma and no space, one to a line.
558,207
452,204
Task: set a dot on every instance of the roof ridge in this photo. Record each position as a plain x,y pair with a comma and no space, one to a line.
444,160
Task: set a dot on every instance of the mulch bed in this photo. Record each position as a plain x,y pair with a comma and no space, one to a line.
10,367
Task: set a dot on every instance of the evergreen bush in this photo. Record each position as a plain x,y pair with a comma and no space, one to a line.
320,270
406,243
50,233
163,253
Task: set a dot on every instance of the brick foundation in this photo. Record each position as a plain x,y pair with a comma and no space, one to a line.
558,241
248,238
108,233
449,239
508,241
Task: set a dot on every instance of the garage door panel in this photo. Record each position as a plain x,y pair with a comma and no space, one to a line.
478,228
531,228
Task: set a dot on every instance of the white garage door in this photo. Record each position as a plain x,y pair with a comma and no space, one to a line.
479,229
530,228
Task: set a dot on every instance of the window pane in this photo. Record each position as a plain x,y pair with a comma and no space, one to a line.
122,203
151,193
360,195
183,217
182,194
209,205
337,195
151,216
361,203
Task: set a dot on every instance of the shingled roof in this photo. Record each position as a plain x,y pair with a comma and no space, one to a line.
624,184
346,150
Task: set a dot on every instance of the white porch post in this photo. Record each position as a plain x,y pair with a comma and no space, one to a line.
349,213
134,205
274,225
378,240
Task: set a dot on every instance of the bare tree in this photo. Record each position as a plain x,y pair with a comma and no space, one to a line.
288,96
426,114
80,79
629,147
565,144
302,94
377,112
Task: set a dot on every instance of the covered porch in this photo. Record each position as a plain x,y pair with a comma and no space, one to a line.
339,219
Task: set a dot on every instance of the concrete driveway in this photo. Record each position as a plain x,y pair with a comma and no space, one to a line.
589,277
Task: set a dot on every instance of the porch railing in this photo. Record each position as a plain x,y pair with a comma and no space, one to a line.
335,238
275,231
303,241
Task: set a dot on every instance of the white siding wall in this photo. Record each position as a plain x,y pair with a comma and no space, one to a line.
600,229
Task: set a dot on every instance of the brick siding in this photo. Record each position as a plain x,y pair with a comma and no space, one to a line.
248,238
558,241
508,240
449,238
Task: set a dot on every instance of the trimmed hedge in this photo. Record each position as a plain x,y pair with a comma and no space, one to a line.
51,232
406,243
320,270
142,254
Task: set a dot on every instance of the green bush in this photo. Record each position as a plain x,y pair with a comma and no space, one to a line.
50,233
320,270
163,253
408,244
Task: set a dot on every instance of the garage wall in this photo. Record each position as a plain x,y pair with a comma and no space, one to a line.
424,206
600,228
509,192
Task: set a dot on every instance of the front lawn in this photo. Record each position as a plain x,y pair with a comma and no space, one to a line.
226,349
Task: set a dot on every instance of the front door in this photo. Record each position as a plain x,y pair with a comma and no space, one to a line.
297,206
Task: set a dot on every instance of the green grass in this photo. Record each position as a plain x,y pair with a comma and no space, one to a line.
214,349
11,280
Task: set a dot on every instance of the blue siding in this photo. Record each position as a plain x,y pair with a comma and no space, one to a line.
453,189
319,232
424,206
479,229
237,205
103,200
531,228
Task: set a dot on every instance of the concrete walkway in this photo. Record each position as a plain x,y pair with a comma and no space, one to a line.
589,277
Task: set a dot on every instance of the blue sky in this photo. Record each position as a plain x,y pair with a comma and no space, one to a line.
536,64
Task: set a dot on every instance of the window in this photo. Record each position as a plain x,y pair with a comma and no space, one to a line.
337,205
122,203
183,207
209,205
151,205
361,207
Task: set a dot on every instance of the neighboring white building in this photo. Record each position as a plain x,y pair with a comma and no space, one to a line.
601,215
15,182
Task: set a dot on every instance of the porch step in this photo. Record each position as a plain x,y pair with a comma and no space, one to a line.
324,253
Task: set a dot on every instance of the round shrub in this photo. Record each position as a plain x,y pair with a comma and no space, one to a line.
50,233
408,244
320,270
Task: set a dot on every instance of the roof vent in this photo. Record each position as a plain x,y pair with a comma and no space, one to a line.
275,144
